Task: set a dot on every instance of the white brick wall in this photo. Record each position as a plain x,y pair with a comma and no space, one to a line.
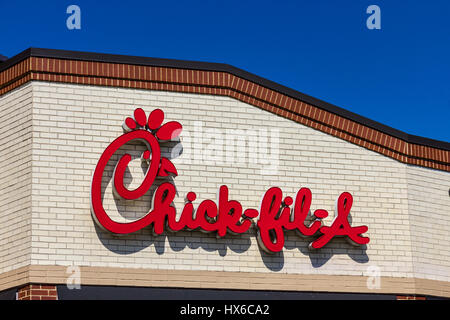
73,124
429,209
15,178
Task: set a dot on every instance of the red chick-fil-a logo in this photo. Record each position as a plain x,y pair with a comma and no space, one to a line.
223,215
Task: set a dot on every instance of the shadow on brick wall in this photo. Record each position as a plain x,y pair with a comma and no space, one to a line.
170,242
299,246
176,243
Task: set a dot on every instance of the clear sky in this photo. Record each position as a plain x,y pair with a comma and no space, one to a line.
398,75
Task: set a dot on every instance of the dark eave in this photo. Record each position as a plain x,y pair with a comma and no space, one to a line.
221,67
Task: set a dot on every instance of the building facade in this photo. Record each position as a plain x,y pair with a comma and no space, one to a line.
62,214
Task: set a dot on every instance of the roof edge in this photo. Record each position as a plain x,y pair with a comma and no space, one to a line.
222,67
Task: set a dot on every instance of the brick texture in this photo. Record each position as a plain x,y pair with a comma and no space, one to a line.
15,178
37,292
72,124
410,298
220,83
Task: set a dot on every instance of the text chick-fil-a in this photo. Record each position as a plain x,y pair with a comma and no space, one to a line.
275,214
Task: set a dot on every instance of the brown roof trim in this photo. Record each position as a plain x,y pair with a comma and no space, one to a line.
221,79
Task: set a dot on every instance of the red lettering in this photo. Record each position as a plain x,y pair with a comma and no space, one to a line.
301,210
340,225
270,224
99,213
163,209
230,214
187,215
275,213
205,216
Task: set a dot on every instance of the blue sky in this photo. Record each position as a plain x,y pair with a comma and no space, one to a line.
399,75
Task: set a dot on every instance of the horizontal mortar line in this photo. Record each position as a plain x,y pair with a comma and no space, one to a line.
245,94
128,79
349,133
209,86
369,141
219,87
17,78
223,87
208,67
